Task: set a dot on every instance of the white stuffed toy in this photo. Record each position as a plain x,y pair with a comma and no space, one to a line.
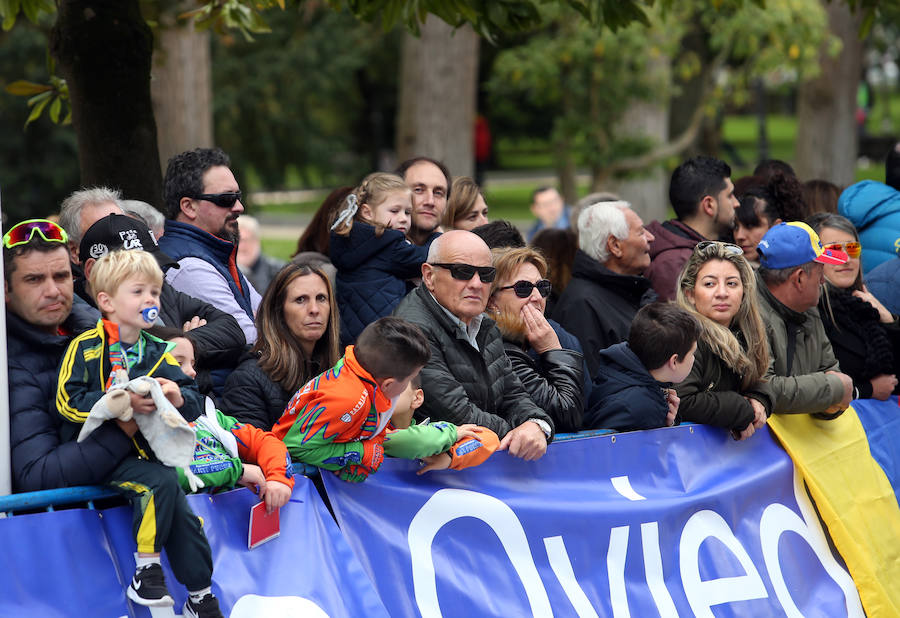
166,431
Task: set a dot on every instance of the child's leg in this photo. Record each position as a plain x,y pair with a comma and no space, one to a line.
163,518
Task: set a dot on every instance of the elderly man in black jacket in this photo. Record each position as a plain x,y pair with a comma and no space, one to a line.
469,378
607,288
40,322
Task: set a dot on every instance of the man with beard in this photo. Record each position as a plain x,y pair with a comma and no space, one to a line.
203,203
702,195
429,181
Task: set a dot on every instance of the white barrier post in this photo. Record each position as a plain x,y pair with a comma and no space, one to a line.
5,450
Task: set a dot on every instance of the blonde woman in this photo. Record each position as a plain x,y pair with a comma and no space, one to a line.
546,358
726,386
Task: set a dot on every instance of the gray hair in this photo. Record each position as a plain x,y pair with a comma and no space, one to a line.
597,223
154,219
589,200
777,276
70,210
249,224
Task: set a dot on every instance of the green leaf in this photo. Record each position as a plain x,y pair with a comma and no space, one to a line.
54,109
44,96
22,88
36,111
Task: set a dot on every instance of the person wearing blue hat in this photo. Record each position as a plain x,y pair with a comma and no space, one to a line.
807,378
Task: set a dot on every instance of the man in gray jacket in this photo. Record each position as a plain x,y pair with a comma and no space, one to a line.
807,377
469,378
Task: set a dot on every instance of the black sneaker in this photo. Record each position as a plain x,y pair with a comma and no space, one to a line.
207,607
148,587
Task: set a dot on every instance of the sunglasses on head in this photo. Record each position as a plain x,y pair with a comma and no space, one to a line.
523,288
23,232
465,272
222,200
731,248
852,248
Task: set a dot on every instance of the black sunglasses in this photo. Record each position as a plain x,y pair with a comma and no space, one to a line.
465,272
523,288
222,200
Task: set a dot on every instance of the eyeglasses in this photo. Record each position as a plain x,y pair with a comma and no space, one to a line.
465,272
852,248
23,232
731,248
523,288
222,200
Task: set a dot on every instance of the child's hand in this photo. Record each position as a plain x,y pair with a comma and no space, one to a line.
441,461
141,404
673,401
194,322
353,473
172,391
275,494
253,478
469,430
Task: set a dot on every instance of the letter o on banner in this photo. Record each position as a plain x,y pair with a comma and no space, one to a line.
449,504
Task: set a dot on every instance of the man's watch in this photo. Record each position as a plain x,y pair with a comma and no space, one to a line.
544,425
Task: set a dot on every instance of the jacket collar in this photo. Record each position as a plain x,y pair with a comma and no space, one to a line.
448,323
191,233
586,267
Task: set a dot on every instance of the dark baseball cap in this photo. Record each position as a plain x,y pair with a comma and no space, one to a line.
114,232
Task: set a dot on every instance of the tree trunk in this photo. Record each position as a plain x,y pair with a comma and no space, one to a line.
103,49
436,111
181,87
827,141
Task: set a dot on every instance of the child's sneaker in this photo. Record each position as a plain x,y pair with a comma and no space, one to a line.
148,587
207,607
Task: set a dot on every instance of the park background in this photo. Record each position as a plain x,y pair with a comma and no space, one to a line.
584,95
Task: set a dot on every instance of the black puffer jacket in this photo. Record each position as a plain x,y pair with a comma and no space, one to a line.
598,306
252,397
40,459
462,384
555,382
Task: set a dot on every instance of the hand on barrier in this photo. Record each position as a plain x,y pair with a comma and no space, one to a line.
353,473
441,461
526,441
275,495
883,386
373,455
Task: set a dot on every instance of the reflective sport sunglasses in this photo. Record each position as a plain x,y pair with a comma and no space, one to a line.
852,248
731,248
23,232
465,272
523,288
222,200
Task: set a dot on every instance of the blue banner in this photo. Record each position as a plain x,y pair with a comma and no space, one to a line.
671,522
78,562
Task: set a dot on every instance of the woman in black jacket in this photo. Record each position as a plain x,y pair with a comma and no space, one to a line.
297,339
863,334
726,386
552,375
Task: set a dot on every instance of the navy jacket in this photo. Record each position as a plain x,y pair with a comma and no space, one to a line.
625,396
371,273
40,460
183,240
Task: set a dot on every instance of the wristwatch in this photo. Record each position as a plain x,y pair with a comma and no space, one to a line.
544,425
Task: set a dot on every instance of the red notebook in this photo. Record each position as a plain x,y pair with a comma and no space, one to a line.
263,526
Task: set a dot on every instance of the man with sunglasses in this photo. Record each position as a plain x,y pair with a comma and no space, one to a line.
808,379
203,203
40,322
469,378
607,287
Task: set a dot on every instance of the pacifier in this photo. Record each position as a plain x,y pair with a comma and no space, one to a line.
150,314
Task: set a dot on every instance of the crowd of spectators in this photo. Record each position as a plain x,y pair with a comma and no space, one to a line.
403,299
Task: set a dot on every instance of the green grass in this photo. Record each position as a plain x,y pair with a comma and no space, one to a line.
281,248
